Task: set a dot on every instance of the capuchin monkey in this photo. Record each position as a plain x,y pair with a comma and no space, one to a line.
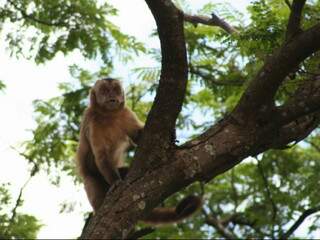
106,130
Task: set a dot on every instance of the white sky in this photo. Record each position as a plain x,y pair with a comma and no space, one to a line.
21,76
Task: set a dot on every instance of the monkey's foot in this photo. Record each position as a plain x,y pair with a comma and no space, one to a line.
115,185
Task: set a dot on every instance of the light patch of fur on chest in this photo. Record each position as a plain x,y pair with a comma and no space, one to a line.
119,153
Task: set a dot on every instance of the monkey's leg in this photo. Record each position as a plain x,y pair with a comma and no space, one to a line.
106,168
96,189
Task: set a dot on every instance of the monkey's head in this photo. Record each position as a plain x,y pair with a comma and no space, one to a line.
108,94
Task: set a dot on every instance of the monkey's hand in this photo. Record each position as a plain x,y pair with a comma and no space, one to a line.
135,137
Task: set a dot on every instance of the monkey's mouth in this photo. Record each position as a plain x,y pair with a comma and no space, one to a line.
113,103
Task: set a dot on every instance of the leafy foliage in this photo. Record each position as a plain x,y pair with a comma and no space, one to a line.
41,29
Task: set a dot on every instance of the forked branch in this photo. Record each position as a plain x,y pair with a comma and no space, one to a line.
213,21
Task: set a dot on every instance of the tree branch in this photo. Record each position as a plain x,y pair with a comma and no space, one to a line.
211,79
213,21
293,27
263,87
269,195
315,146
33,171
299,221
215,223
167,105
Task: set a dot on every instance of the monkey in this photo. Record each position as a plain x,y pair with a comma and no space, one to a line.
107,128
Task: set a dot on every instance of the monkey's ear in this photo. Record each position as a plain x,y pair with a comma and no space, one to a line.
93,98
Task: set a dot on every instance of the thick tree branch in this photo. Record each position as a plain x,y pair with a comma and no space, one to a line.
213,21
172,86
262,89
299,221
293,27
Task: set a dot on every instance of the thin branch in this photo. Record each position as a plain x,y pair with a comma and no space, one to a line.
222,230
299,221
234,191
211,79
315,146
213,21
33,171
269,195
18,201
293,27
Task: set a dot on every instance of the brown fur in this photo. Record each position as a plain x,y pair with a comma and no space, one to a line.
106,129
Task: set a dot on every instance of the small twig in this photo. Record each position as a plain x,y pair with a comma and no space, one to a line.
211,79
141,233
33,171
315,146
213,21
269,195
300,220
18,201
214,222
234,191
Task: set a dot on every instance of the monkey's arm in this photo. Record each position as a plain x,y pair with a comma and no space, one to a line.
83,150
133,125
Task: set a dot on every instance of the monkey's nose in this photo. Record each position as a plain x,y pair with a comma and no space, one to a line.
113,100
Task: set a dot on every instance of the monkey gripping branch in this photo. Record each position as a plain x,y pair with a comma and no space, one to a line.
255,125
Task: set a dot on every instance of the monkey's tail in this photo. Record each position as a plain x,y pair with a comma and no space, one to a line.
165,215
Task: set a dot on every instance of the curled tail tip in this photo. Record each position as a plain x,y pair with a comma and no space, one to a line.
187,206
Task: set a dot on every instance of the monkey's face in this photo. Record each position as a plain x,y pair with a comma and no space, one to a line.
109,94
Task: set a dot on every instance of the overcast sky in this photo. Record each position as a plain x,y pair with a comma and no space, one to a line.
26,82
